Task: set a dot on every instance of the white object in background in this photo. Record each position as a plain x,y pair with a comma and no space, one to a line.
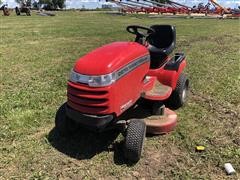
228,167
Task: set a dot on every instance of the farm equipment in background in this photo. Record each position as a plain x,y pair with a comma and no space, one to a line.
23,9
5,10
139,7
162,8
202,9
216,10
146,6
236,13
181,9
228,12
171,7
151,6
219,9
125,7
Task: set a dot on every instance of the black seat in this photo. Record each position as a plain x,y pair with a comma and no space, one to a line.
161,44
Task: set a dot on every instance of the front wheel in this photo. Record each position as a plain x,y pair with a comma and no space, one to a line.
64,125
135,135
179,95
17,11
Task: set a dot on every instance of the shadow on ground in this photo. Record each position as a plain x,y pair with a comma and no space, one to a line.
85,144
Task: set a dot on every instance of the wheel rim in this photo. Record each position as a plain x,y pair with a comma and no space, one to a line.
184,94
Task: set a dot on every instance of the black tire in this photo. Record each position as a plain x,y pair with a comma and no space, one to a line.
17,11
135,135
28,12
64,125
179,95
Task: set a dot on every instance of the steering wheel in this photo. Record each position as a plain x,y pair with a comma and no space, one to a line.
135,30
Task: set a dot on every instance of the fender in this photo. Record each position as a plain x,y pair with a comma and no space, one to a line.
170,72
175,62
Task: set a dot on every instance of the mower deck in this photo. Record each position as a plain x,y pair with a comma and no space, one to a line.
161,124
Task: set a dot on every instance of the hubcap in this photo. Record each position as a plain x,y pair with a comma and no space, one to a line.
184,94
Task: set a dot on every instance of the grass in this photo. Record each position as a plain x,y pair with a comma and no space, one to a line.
36,55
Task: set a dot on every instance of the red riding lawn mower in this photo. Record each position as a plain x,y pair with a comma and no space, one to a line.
108,81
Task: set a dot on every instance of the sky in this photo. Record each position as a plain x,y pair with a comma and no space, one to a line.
91,4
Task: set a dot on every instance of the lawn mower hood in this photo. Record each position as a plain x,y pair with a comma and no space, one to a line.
110,58
109,79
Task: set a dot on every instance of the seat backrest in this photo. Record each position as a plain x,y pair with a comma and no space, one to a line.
164,37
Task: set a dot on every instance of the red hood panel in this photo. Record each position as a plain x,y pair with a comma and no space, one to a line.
109,58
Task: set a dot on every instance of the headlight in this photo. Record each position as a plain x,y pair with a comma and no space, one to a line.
103,80
75,77
93,81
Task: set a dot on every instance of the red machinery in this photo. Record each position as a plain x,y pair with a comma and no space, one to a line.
230,13
235,13
126,8
5,10
219,9
161,8
111,79
180,8
145,6
172,7
216,10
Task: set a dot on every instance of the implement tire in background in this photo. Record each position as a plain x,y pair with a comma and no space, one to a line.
17,11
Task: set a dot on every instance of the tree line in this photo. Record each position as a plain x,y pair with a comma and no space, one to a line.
45,4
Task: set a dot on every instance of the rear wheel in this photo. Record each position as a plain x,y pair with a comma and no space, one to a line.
179,95
28,12
64,125
17,11
135,135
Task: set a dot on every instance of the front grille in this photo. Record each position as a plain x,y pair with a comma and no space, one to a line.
87,100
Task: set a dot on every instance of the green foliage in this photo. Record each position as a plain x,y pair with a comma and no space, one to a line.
51,4
59,3
27,2
36,5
